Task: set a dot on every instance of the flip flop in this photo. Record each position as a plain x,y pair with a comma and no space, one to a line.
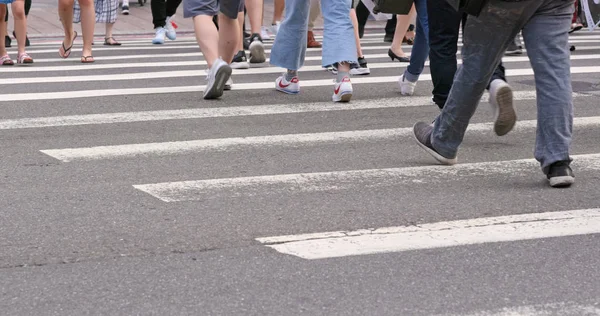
87,59
107,41
67,51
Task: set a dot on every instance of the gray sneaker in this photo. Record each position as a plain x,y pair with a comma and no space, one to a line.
216,79
501,100
422,133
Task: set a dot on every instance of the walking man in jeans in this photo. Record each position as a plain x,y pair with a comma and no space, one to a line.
444,27
545,25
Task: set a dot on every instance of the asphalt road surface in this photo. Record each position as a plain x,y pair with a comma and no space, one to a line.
123,192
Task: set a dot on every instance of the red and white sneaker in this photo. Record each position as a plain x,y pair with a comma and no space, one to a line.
342,91
289,87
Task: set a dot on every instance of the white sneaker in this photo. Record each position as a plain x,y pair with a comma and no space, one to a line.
406,87
217,77
170,29
275,28
228,84
342,91
501,101
125,9
159,38
289,87
264,33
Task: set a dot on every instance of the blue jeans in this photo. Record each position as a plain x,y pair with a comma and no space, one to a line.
339,45
545,25
420,49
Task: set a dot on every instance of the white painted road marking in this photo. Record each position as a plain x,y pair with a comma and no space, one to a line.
270,109
201,73
235,143
438,235
237,86
552,309
345,180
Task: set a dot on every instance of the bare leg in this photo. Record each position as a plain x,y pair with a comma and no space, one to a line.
207,37
88,22
229,37
278,11
240,44
401,28
65,13
18,11
255,11
3,11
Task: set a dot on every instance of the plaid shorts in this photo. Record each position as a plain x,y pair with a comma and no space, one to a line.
106,11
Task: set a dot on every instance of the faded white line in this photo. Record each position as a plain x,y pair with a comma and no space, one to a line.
346,180
270,109
438,235
235,143
200,73
236,86
562,309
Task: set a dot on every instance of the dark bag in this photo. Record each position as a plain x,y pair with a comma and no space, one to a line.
471,7
392,6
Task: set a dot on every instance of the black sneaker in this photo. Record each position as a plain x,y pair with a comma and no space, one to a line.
257,49
246,43
422,133
7,41
560,174
240,61
125,10
360,68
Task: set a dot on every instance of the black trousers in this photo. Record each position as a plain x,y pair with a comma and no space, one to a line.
362,14
161,9
444,26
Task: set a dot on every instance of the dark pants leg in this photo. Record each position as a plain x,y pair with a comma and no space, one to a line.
390,26
161,10
444,24
362,15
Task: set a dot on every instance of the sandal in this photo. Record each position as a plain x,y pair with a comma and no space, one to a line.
87,59
24,59
111,41
6,61
64,52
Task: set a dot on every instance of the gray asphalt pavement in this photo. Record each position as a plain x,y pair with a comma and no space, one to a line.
124,193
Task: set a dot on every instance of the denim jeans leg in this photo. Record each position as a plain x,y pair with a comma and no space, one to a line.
481,54
420,50
546,37
338,38
289,48
444,25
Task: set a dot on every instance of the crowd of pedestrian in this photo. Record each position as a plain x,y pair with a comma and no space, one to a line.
432,27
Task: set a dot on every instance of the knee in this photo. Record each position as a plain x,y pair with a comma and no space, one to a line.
18,12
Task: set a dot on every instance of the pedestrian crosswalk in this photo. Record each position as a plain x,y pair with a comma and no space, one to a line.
175,71
295,177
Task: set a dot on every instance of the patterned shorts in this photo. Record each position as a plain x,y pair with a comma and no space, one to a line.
106,11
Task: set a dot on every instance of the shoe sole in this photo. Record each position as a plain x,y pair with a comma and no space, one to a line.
240,65
441,159
221,77
287,91
345,97
258,53
507,117
561,182
360,71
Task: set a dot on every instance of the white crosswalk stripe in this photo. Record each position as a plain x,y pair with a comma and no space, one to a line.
181,60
